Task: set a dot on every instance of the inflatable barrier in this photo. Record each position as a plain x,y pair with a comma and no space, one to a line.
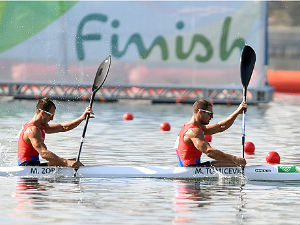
284,80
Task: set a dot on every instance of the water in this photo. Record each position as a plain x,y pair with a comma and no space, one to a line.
112,141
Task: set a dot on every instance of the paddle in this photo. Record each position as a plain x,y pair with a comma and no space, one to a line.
248,59
100,77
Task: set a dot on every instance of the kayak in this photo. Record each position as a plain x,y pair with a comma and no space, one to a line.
258,172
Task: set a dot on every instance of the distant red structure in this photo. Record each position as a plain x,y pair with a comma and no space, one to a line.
285,80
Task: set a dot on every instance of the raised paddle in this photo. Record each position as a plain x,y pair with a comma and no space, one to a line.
248,59
100,77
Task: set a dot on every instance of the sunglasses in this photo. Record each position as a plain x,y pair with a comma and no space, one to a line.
210,113
50,114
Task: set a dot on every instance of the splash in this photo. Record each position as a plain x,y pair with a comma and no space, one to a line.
3,155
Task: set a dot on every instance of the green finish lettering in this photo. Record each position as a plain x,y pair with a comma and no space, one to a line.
138,41
198,38
237,43
80,38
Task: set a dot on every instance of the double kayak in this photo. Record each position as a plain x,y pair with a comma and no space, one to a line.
258,172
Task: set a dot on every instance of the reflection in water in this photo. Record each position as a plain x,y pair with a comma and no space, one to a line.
35,198
192,191
241,205
25,184
193,194
38,193
29,195
30,191
189,192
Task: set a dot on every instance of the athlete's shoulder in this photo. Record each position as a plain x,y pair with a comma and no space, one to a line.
32,131
194,132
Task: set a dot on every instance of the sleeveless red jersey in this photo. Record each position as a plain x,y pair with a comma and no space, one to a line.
187,154
26,152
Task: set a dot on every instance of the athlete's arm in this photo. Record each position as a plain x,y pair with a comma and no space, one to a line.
69,125
195,135
226,123
34,136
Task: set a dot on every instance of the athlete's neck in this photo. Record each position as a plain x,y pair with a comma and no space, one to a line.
37,120
194,121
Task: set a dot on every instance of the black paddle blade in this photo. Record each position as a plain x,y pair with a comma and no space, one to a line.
248,59
101,73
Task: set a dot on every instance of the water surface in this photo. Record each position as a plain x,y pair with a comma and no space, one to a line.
112,141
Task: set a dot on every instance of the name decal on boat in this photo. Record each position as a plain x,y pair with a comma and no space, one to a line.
263,170
223,170
42,170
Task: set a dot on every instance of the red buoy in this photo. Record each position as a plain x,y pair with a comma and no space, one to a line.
208,138
165,126
273,158
127,116
249,147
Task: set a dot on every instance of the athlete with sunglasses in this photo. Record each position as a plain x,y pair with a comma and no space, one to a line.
31,140
191,141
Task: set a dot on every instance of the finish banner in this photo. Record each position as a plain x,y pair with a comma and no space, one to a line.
189,44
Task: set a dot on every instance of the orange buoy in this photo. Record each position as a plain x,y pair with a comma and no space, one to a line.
127,116
273,158
165,126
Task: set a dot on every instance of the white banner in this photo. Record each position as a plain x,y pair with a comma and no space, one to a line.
152,43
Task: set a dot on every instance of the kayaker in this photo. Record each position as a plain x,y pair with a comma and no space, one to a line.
192,143
31,139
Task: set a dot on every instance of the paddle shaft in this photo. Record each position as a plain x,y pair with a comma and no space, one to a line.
86,124
244,122
100,77
248,59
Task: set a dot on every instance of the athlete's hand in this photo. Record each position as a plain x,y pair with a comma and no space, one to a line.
242,107
87,111
74,164
239,161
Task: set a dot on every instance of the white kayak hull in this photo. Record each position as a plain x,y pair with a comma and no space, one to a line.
259,173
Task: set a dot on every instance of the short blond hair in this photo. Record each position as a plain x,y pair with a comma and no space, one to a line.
44,104
201,104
